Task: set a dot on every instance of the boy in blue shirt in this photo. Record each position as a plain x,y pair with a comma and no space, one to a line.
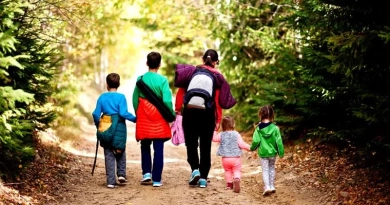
114,104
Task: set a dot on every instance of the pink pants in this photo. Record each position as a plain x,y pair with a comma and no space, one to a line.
232,166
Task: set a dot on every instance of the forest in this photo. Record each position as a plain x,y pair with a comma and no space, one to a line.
322,64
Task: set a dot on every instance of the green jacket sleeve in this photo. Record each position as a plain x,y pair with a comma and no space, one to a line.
255,140
279,143
135,98
167,96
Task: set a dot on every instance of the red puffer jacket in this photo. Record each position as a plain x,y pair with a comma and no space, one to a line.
150,124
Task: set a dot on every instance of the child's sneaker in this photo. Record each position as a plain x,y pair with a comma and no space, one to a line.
236,185
273,190
195,175
157,184
112,186
122,179
202,183
229,185
267,192
146,178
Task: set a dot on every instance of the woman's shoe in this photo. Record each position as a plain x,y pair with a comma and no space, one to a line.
195,175
202,183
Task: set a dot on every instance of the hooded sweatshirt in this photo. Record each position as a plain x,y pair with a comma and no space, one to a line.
268,141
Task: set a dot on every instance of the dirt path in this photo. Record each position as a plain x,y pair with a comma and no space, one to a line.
84,189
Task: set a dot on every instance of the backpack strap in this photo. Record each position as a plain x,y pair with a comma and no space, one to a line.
155,100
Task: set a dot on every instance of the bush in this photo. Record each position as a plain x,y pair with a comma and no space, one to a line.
27,63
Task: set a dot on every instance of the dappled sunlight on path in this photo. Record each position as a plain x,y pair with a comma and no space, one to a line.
175,189
84,189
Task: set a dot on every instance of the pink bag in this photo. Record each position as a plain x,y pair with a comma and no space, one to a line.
177,131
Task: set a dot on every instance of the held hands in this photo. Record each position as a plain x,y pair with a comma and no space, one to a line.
253,155
217,126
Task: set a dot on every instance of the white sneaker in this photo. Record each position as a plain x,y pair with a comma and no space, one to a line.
273,190
112,186
122,179
267,192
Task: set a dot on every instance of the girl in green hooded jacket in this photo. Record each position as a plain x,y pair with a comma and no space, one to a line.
268,141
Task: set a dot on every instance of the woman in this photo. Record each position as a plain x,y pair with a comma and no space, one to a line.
200,120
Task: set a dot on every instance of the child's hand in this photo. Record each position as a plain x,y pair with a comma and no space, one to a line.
253,155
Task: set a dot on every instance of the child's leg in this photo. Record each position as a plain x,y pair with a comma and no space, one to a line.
109,159
158,160
265,169
228,164
146,159
272,172
237,174
121,164
237,168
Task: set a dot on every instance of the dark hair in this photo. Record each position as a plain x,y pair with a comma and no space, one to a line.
210,56
153,60
113,80
227,123
267,112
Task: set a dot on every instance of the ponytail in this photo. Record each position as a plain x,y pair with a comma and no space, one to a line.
210,56
208,61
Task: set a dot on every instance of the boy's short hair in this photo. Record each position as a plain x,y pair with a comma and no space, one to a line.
227,123
113,80
153,60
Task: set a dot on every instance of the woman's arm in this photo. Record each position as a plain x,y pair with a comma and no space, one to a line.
179,100
218,108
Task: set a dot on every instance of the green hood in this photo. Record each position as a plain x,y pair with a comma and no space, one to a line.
268,141
266,132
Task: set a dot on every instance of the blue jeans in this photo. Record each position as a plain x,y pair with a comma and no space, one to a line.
113,161
158,158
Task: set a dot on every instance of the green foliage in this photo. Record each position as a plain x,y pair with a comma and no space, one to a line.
96,39
345,64
179,33
322,64
257,51
27,67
